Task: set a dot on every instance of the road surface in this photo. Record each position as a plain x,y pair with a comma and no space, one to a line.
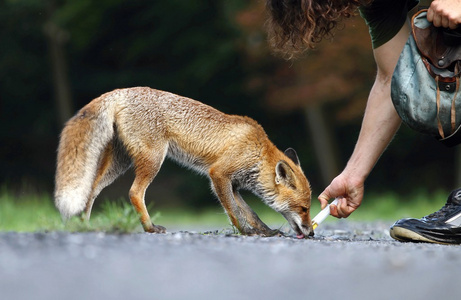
344,261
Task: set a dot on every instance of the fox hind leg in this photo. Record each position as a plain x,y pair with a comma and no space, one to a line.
113,163
146,168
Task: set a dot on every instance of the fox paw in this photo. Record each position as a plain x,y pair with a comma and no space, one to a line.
155,229
262,232
274,232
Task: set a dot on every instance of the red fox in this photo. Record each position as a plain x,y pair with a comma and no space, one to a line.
141,126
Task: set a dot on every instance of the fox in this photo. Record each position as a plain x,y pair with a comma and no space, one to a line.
139,127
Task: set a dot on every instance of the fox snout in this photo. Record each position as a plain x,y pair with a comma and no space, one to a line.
307,231
301,226
303,231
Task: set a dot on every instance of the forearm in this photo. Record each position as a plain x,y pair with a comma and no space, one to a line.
380,123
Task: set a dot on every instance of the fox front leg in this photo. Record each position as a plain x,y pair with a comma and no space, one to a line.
249,221
240,214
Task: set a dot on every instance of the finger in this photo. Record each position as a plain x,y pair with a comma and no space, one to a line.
445,22
334,211
437,20
343,210
430,15
339,211
452,25
323,198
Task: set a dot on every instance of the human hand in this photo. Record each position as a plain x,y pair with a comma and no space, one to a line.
348,192
445,13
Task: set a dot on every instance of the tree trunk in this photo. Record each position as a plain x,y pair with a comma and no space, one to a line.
63,99
323,142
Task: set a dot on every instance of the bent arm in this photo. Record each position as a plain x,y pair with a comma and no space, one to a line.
379,125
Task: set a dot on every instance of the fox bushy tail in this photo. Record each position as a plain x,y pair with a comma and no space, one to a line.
81,144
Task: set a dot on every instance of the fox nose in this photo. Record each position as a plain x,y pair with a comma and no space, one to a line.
310,230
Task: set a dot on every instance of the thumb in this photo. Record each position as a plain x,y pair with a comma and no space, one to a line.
324,197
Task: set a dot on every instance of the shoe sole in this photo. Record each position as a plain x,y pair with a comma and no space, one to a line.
405,235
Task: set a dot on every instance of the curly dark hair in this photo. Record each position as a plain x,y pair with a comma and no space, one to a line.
294,26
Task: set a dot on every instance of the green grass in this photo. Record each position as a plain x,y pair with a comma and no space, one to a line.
25,213
391,206
30,213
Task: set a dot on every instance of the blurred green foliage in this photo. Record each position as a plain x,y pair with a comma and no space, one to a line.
35,212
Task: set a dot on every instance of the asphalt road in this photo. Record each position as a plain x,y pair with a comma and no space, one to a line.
344,261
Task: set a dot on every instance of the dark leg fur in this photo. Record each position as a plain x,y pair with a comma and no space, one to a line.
240,214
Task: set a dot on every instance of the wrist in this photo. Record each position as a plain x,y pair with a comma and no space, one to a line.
356,173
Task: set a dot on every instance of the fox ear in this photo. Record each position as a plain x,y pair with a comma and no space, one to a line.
291,154
284,174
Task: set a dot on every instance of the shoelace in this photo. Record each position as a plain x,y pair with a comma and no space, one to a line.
441,212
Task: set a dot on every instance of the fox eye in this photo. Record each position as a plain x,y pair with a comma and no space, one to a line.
304,209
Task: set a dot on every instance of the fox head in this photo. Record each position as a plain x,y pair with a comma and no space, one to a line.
293,194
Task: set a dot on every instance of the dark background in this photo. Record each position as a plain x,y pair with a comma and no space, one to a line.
56,56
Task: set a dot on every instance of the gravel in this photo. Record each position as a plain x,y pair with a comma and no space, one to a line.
344,261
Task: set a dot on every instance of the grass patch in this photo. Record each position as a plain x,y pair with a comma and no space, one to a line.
30,213
27,212
114,217
393,207
375,207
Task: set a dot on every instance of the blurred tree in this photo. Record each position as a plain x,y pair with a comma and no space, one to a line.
173,45
26,113
330,85
339,71
57,38
186,47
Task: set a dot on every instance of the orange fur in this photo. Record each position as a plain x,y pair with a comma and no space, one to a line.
141,126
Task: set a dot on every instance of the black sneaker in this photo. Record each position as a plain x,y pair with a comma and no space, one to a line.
443,226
